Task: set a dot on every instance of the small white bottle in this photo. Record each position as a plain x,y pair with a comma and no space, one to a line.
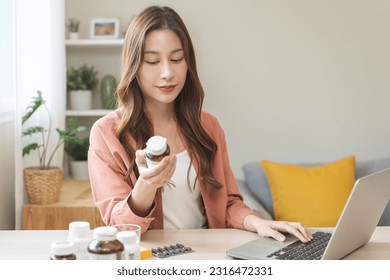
62,250
80,236
132,247
156,149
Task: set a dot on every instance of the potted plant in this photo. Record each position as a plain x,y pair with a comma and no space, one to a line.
77,149
73,28
44,181
80,83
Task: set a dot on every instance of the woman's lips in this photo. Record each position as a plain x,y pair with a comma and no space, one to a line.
168,88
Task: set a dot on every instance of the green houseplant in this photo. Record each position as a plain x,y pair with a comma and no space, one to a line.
44,181
78,152
80,83
84,77
73,25
73,28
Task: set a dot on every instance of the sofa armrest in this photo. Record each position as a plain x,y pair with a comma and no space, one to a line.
251,201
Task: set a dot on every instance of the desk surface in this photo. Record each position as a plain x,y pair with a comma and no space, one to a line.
208,244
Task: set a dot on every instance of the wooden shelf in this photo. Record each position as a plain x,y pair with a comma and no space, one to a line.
76,204
94,42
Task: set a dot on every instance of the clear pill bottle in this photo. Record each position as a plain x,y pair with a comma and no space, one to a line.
105,245
63,250
156,149
80,236
132,247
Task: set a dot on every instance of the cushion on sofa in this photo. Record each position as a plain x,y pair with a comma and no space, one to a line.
364,168
314,196
251,200
257,182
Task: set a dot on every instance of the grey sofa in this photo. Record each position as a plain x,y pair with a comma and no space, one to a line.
257,195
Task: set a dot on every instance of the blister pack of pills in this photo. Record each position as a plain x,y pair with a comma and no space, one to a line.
170,251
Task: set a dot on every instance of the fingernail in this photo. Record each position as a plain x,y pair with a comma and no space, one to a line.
281,237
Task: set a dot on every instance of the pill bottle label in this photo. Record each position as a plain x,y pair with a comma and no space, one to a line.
112,256
133,256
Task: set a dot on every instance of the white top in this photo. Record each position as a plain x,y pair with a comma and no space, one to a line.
126,236
105,233
79,229
62,248
156,145
183,206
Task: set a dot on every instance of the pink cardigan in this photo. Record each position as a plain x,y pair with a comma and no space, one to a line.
108,163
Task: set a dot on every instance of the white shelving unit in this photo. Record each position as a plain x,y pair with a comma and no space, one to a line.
84,45
104,56
94,42
91,51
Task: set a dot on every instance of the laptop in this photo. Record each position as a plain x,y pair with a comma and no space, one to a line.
354,228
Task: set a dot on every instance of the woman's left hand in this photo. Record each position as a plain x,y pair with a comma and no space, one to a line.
275,229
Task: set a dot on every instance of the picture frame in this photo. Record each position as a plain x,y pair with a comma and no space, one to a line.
104,28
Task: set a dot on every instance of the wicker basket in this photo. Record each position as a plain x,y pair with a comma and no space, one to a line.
43,186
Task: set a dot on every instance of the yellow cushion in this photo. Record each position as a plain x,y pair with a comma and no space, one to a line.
314,196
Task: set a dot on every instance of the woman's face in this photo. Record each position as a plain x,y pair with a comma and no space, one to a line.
163,71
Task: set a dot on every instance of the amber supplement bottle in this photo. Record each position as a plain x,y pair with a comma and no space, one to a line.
104,245
62,251
156,149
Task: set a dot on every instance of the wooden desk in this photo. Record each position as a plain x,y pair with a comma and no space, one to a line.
208,244
75,204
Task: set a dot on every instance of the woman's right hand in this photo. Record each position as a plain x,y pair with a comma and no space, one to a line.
158,175
149,180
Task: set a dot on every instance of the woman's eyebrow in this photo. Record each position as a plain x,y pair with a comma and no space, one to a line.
155,52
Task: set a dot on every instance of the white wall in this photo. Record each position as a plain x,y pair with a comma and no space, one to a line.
291,81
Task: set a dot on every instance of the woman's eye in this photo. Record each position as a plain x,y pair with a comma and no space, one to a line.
177,60
151,62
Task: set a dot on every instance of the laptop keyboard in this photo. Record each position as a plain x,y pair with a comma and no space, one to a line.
304,251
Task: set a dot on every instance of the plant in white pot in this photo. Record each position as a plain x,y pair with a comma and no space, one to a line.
77,149
80,83
73,28
43,182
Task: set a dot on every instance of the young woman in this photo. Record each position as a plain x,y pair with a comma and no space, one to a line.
160,94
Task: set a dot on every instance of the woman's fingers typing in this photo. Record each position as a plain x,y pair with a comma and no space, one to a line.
294,228
276,229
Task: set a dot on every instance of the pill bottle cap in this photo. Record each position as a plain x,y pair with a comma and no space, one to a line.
105,233
156,145
62,248
79,229
127,236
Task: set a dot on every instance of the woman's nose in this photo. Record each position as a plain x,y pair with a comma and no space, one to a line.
166,71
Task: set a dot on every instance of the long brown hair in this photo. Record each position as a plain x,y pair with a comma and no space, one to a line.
188,104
